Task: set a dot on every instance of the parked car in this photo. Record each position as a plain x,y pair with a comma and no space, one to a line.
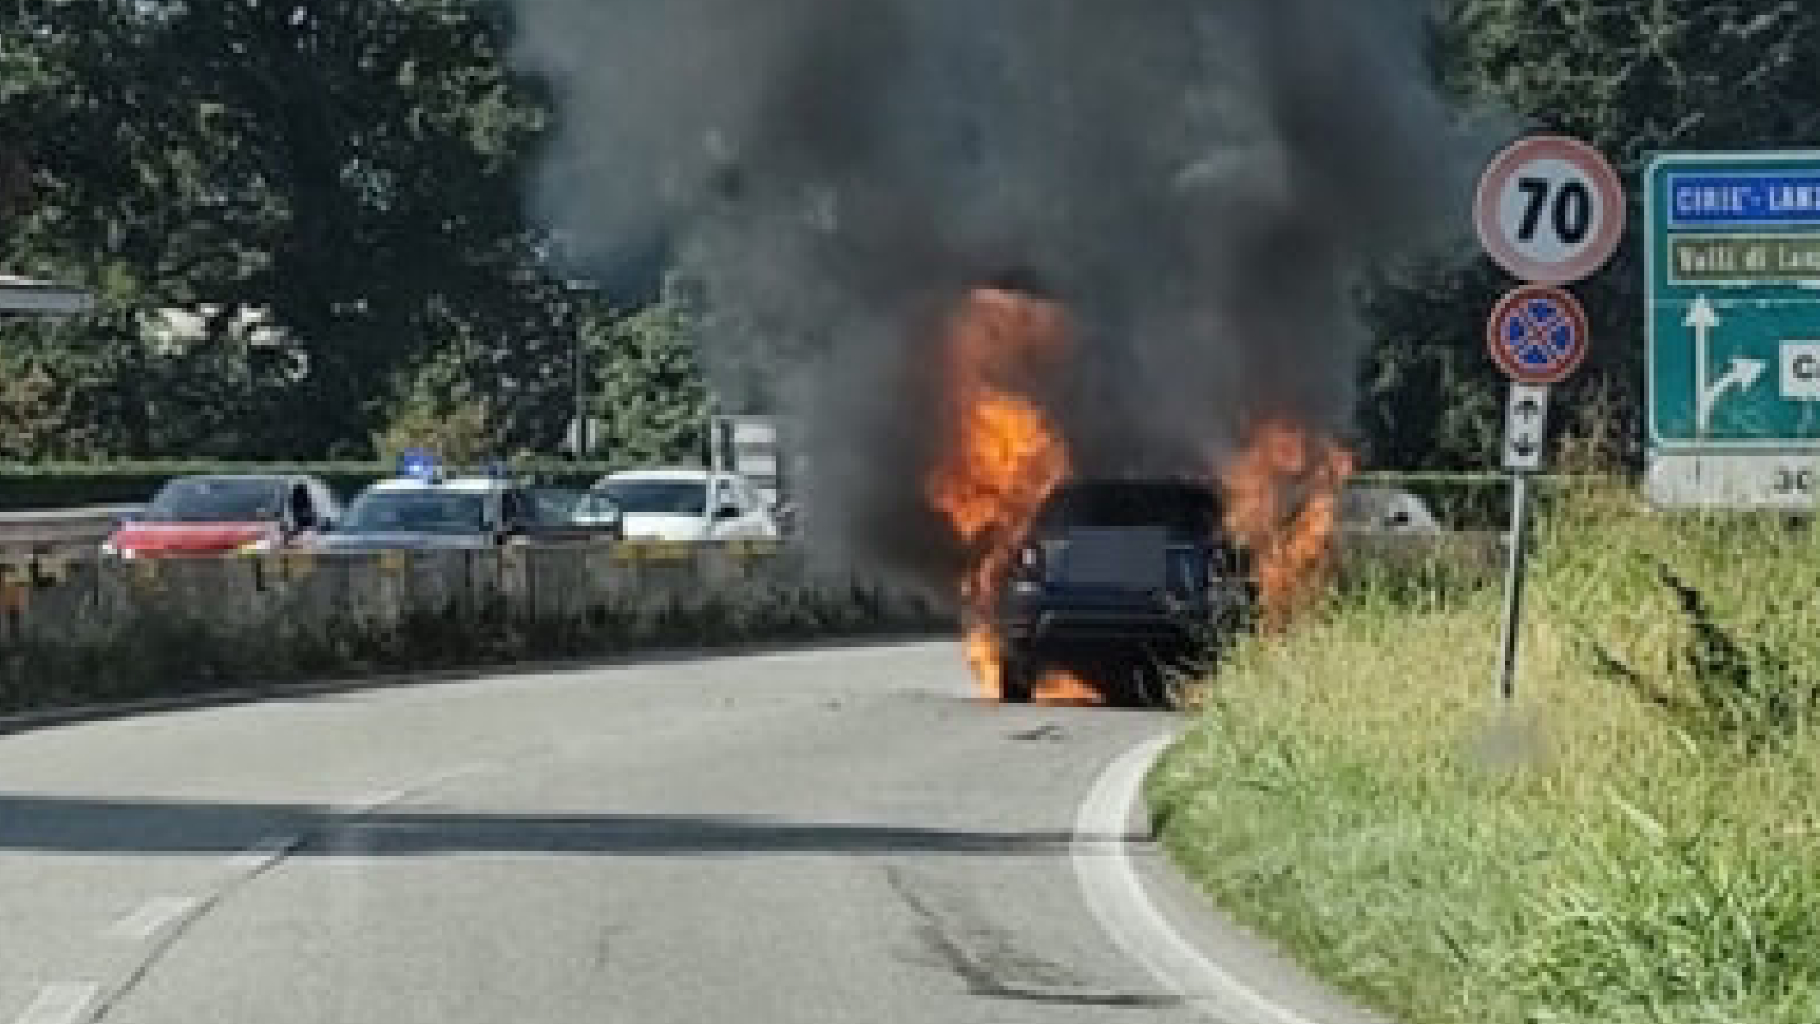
688,505
1122,577
225,514
473,512
410,513
570,515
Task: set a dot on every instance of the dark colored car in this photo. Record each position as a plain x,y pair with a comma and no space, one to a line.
1122,577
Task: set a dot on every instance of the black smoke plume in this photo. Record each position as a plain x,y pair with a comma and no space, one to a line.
1202,183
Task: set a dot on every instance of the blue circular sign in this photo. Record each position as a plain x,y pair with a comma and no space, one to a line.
1538,335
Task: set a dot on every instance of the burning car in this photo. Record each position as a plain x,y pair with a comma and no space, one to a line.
1124,575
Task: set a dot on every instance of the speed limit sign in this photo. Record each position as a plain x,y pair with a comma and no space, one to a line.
1550,210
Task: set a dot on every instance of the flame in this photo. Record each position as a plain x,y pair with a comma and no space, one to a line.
983,657
1004,456
1283,504
1059,686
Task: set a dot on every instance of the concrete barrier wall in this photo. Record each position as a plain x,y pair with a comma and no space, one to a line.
57,598
65,598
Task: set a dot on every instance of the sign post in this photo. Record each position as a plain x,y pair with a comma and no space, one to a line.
1525,428
1550,211
1732,264
1538,337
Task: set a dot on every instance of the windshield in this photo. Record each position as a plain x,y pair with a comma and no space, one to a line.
659,497
217,500
1188,513
560,507
417,512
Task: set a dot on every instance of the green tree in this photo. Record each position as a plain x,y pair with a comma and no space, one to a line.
652,398
355,167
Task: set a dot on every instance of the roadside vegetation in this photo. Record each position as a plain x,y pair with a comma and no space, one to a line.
1637,841
167,653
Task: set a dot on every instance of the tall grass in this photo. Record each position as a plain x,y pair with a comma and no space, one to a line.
1638,840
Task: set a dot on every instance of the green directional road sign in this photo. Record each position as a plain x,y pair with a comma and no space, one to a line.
1734,303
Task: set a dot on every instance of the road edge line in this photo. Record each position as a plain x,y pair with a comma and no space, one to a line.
1100,851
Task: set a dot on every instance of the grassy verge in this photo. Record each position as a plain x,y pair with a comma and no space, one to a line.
1639,842
173,654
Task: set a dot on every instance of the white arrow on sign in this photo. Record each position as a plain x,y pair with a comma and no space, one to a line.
1743,374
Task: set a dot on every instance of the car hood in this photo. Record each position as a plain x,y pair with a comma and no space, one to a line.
190,538
648,527
406,542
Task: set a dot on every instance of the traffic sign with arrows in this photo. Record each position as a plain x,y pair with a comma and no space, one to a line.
1733,261
1732,258
1525,427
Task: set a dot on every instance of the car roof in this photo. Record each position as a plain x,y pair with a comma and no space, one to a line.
1173,483
676,475
268,478
460,485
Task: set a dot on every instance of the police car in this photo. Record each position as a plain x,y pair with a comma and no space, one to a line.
425,508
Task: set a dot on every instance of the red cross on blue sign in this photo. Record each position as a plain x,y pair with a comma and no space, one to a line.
1538,335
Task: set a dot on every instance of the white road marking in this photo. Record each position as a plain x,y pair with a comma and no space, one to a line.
381,799
369,803
152,917
1116,896
63,1003
261,855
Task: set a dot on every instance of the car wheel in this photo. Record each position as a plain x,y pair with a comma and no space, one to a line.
1017,679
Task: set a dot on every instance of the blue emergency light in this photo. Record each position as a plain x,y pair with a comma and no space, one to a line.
418,464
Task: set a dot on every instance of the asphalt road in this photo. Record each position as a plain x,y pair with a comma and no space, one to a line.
839,835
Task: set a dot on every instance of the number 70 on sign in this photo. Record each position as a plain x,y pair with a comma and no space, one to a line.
1550,210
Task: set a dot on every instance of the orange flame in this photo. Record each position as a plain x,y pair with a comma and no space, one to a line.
1283,504
1005,456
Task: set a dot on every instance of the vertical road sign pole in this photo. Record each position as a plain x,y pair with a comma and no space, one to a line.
1550,210
1513,583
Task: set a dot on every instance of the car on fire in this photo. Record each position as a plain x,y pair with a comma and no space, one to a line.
1123,577
226,514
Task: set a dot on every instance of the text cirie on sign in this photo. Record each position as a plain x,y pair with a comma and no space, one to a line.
1550,210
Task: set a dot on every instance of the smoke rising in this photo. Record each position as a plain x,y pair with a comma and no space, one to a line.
1199,182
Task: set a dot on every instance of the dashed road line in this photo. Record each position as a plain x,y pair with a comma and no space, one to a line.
66,1002
153,916
261,855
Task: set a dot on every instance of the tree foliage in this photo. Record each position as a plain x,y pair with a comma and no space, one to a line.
355,170
1633,77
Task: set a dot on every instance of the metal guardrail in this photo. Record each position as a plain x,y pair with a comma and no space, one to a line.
34,529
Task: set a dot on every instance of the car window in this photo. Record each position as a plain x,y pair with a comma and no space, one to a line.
303,507
659,497
725,495
418,512
217,500
1186,512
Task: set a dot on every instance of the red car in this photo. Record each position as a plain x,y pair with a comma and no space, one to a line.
218,515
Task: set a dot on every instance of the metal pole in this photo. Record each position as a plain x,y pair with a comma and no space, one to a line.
581,422
578,373
1513,584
